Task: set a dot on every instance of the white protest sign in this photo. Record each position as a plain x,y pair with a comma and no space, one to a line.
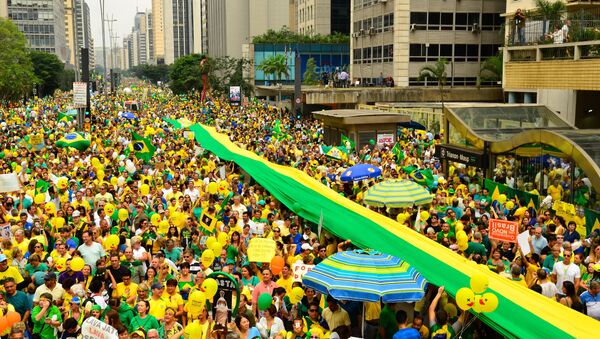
523,240
9,183
93,328
300,269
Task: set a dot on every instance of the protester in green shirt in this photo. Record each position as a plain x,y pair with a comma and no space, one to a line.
46,317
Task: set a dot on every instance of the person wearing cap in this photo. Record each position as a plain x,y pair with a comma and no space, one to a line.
158,304
52,287
137,334
46,317
75,311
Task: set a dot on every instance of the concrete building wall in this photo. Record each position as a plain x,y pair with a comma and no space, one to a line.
3,8
314,17
158,30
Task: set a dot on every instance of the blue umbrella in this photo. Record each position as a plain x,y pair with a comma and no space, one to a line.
413,125
360,172
366,276
128,115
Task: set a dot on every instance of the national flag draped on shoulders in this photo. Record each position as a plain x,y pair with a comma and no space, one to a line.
142,147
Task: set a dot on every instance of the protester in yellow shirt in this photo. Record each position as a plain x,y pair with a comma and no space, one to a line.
173,298
158,305
127,290
286,279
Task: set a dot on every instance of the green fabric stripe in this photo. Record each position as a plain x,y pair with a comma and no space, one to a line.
510,318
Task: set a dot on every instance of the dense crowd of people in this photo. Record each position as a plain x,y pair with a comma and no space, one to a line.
74,204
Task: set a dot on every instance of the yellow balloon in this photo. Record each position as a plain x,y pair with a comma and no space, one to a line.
401,217
210,287
208,257
112,242
109,209
193,330
62,183
212,188
502,198
77,264
100,174
60,264
155,219
210,241
163,227
114,181
196,303
145,189
510,205
463,246
223,186
465,298
123,214
217,248
50,208
58,222
222,238
424,215
479,282
488,302
520,211
95,162
297,295
39,198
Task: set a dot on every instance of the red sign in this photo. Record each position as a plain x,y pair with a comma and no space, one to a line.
503,230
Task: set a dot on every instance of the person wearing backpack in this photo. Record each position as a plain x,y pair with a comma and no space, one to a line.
438,320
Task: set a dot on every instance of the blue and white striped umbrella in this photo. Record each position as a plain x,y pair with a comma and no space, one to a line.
366,276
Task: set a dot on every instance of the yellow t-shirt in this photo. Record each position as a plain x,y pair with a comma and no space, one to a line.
23,246
173,301
555,192
286,283
157,308
11,272
125,292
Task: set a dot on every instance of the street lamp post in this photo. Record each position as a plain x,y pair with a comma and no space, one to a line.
103,45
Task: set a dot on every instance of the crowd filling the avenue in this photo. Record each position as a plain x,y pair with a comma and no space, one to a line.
131,227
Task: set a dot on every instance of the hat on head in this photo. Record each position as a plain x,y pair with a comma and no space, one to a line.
156,285
230,262
305,237
50,276
139,333
3,257
76,214
75,300
96,308
306,247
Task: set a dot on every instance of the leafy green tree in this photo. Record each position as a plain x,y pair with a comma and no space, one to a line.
437,73
491,69
152,73
48,69
275,65
285,36
229,71
16,70
185,74
310,75
67,78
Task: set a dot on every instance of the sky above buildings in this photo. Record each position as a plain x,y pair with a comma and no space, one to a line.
121,10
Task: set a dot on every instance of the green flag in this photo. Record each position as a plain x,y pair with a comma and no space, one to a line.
176,124
64,117
41,186
398,152
349,144
73,140
335,152
142,147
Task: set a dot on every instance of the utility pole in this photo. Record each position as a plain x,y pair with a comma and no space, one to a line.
110,34
103,46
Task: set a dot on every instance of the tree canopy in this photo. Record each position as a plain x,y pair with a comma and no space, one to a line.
285,36
16,70
152,73
49,71
275,65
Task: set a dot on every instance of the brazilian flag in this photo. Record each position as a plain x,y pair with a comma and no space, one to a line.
176,124
73,140
64,117
142,147
398,152
335,152
348,143
41,186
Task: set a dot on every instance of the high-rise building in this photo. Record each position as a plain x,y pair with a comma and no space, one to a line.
43,24
322,16
232,24
396,38
141,31
158,31
3,8
554,61
78,31
200,26
178,29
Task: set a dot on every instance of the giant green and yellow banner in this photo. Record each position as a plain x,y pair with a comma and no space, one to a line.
520,313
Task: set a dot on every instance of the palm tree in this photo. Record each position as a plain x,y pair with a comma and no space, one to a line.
491,69
275,65
436,72
550,11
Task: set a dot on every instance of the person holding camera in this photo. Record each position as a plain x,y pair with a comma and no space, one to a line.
46,318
